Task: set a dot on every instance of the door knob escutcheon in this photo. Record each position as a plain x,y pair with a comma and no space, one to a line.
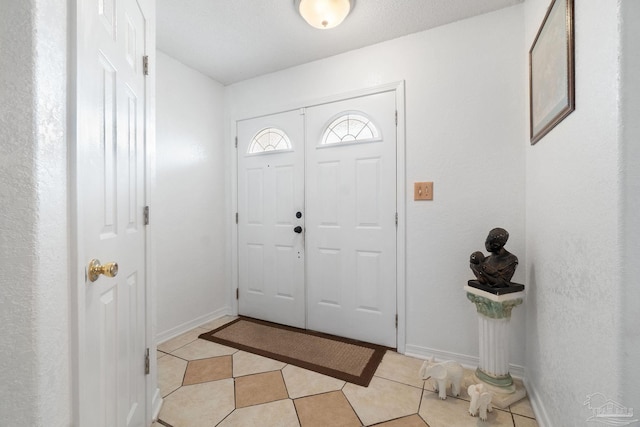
95,269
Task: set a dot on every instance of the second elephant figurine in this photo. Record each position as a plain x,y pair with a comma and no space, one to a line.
480,401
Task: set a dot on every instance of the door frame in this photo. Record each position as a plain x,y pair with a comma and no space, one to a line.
77,254
399,89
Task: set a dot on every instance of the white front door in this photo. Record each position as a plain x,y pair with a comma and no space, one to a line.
110,188
347,232
351,218
270,218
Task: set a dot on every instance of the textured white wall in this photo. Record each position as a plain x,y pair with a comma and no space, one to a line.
574,229
465,121
34,290
189,213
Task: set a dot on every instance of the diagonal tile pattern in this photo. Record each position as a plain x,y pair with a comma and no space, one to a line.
302,382
207,384
280,413
205,370
260,388
410,421
170,373
199,405
455,412
246,364
329,409
400,368
201,349
383,400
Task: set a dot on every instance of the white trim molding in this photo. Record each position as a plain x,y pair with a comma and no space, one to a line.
542,418
470,362
187,326
399,88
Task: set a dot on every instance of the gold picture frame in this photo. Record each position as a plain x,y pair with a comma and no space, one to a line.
552,70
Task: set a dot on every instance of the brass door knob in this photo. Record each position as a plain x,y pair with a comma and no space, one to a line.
95,269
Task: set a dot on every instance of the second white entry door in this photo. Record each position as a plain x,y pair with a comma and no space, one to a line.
351,218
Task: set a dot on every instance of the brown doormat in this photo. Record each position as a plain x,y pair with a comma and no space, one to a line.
342,358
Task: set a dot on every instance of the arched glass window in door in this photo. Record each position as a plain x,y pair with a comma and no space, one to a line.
269,139
350,127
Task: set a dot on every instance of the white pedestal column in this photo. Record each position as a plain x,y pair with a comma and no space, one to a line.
494,349
494,315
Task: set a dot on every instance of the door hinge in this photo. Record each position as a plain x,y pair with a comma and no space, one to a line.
236,217
396,321
236,142
237,293
147,369
396,219
396,117
146,215
145,65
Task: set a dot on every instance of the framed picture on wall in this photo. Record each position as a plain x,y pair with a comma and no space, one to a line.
551,70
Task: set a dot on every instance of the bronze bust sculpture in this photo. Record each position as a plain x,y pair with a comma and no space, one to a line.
497,269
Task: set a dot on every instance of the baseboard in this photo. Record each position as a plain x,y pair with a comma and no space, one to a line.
542,418
465,360
187,326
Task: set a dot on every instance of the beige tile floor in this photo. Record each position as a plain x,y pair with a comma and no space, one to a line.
205,384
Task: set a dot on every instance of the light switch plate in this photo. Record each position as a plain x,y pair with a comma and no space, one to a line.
423,191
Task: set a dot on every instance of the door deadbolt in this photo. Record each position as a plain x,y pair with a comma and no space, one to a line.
95,269
298,214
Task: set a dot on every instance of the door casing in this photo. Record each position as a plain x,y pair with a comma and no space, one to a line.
401,192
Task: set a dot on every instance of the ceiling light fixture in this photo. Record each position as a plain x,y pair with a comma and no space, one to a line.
324,14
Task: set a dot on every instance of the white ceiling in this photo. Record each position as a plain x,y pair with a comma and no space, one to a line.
233,40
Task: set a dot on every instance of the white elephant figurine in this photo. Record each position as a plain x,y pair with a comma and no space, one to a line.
442,375
480,401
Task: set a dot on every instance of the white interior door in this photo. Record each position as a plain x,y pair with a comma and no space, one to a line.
111,197
351,218
270,218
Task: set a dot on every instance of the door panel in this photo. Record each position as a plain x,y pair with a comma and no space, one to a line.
110,192
270,252
351,231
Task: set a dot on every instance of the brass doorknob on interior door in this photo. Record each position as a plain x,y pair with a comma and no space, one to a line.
95,269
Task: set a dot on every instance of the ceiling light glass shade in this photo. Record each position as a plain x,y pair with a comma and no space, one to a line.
324,14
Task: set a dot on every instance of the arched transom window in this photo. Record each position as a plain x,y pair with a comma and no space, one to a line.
269,139
350,127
